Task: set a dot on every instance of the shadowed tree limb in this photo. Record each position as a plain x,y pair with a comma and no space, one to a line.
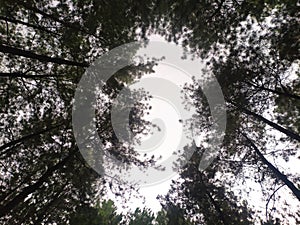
42,58
287,132
275,171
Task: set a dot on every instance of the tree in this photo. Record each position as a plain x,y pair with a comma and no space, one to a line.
139,216
100,214
203,199
45,47
106,213
250,46
252,75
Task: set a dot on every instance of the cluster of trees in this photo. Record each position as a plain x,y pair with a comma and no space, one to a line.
257,66
252,47
106,213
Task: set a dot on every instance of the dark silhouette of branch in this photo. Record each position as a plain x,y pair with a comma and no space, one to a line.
275,171
26,137
6,208
37,27
287,132
67,24
274,91
42,58
269,199
24,75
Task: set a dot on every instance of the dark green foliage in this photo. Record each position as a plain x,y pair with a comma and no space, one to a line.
139,216
44,51
100,214
252,47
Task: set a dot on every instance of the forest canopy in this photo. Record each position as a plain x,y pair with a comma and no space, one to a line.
250,47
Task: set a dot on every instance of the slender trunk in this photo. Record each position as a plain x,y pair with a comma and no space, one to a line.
47,208
214,203
274,91
10,192
287,132
26,137
5,209
73,26
42,58
39,214
276,172
37,27
67,24
23,75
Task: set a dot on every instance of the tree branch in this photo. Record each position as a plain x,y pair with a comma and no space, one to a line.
42,58
287,132
275,171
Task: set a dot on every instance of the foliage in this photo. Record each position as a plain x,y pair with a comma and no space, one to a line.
100,214
252,47
106,213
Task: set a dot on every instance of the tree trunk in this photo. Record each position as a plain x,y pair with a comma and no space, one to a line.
286,94
6,208
26,137
37,27
287,132
42,58
275,171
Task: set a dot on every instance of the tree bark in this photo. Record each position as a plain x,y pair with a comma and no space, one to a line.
24,75
275,171
287,132
42,58
5,209
26,137
280,93
37,27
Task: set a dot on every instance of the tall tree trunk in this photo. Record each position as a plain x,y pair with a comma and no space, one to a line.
10,192
287,132
6,208
274,91
42,58
26,137
24,75
275,171
37,27
42,212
